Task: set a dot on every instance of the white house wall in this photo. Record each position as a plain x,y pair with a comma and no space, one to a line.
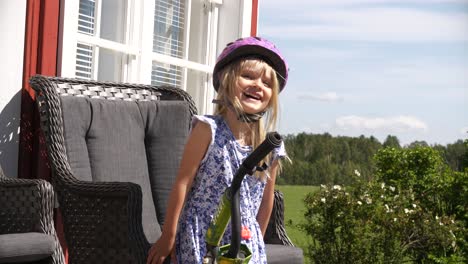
12,30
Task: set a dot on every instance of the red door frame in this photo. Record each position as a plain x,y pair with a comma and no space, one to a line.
253,25
40,57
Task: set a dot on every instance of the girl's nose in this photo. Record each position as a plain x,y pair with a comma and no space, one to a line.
258,82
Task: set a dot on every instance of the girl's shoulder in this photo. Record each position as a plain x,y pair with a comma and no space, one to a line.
214,121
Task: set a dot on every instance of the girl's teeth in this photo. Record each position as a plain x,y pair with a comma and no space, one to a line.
251,96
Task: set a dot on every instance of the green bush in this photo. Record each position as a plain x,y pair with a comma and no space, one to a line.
408,213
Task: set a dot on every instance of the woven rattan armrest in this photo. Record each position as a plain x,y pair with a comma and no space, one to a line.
276,231
27,206
104,218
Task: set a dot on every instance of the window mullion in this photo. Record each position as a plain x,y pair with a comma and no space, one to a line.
188,14
69,38
134,41
107,44
181,62
126,59
146,40
245,17
95,68
210,58
202,94
97,34
97,19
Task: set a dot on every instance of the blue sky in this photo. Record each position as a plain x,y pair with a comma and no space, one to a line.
373,67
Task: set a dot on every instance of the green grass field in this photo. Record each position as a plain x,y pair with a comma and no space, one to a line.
294,211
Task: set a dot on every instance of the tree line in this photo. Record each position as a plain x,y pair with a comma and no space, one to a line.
326,159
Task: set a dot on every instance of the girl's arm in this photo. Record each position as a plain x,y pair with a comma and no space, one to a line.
264,212
195,149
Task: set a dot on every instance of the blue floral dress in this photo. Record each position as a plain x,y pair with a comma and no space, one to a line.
221,161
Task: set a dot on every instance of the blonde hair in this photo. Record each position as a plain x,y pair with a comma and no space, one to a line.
227,94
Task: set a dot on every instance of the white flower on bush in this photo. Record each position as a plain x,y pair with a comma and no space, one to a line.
387,208
408,211
337,187
323,200
359,202
391,188
357,173
382,185
452,234
414,205
368,200
323,186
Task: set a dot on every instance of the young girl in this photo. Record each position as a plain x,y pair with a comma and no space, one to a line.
248,76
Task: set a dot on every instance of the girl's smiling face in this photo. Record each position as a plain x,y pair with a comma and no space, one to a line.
254,86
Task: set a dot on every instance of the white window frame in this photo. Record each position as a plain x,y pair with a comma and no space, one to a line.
139,42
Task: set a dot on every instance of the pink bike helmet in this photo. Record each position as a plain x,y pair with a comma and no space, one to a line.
255,47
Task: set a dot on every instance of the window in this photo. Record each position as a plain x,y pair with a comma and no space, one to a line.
160,42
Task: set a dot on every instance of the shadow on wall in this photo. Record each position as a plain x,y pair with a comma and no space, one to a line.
9,135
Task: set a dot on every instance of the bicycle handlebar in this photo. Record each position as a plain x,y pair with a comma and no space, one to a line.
272,140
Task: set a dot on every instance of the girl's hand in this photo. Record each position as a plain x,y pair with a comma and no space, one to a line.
161,249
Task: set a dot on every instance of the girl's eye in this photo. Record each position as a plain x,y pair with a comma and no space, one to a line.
266,83
248,76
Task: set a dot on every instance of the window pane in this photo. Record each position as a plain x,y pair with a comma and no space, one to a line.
168,39
166,74
113,20
84,61
86,17
110,65
169,27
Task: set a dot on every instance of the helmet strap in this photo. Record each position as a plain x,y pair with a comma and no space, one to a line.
242,116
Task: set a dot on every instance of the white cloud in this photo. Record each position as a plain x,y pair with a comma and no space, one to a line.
393,124
326,53
326,97
275,4
414,76
464,131
370,24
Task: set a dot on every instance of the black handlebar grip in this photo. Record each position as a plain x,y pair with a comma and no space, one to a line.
272,140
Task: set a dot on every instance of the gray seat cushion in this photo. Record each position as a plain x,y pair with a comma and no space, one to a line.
25,247
283,254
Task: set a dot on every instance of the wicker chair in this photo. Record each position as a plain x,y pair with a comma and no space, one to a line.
27,233
114,150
